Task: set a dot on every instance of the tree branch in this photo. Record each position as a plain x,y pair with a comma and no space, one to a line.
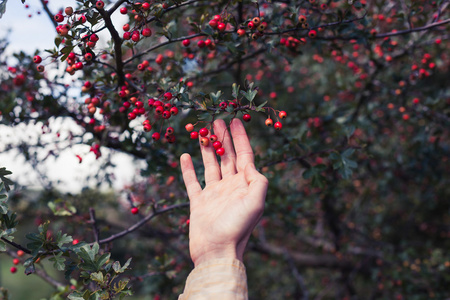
401,32
49,13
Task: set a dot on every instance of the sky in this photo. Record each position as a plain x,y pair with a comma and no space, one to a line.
28,34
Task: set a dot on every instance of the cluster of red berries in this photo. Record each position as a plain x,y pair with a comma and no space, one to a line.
204,140
256,27
16,261
269,122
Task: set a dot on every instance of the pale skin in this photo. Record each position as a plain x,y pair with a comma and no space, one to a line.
224,212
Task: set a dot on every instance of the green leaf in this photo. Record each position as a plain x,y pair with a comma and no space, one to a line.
120,285
215,96
58,261
235,89
62,239
102,260
2,246
97,276
118,269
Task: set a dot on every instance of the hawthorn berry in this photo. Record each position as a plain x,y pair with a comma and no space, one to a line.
166,114
221,26
123,10
159,59
301,19
282,114
147,127
159,110
100,4
217,18
201,44
189,127
217,145
194,135
167,106
223,105
135,37
170,130
40,68
20,253
261,27
174,111
213,138
134,210
93,38
203,132
13,270
220,151
168,96
126,27
213,23
251,25
186,42
88,56
241,32
269,122
204,141
16,261
146,32
75,241
68,10
59,18
256,21
145,6
37,59
156,136
312,34
278,125
246,117
82,19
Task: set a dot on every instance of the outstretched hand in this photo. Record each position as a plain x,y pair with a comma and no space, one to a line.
226,211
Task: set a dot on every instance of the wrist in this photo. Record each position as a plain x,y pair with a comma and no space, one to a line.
230,254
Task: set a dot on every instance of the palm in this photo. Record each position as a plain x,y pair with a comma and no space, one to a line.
224,213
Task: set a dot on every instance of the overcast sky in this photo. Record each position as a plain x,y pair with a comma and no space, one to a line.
28,34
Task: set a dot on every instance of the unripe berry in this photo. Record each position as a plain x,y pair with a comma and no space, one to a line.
269,122
156,136
203,132
189,127
40,68
282,114
194,135
278,125
213,138
256,21
217,145
261,27
220,151
246,117
134,210
204,141
37,59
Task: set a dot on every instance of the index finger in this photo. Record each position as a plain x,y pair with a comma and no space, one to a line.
244,151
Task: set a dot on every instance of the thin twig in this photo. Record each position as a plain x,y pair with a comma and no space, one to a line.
94,223
401,32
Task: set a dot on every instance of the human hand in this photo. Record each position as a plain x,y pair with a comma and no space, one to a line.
225,212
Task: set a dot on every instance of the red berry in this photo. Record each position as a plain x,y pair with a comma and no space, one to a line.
221,26
123,10
250,25
189,127
269,122
213,23
223,105
145,6
241,32
159,110
20,253
405,117
88,56
186,42
201,44
170,130
204,141
127,35
37,59
217,145
100,4
40,68
416,100
159,59
166,114
217,18
220,151
174,111
134,210
68,10
168,96
75,241
146,32
278,125
59,18
203,132
246,117
156,136
147,127
213,138
135,37
194,135
131,116
312,33
13,270
16,261
282,114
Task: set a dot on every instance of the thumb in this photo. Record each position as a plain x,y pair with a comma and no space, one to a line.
257,182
